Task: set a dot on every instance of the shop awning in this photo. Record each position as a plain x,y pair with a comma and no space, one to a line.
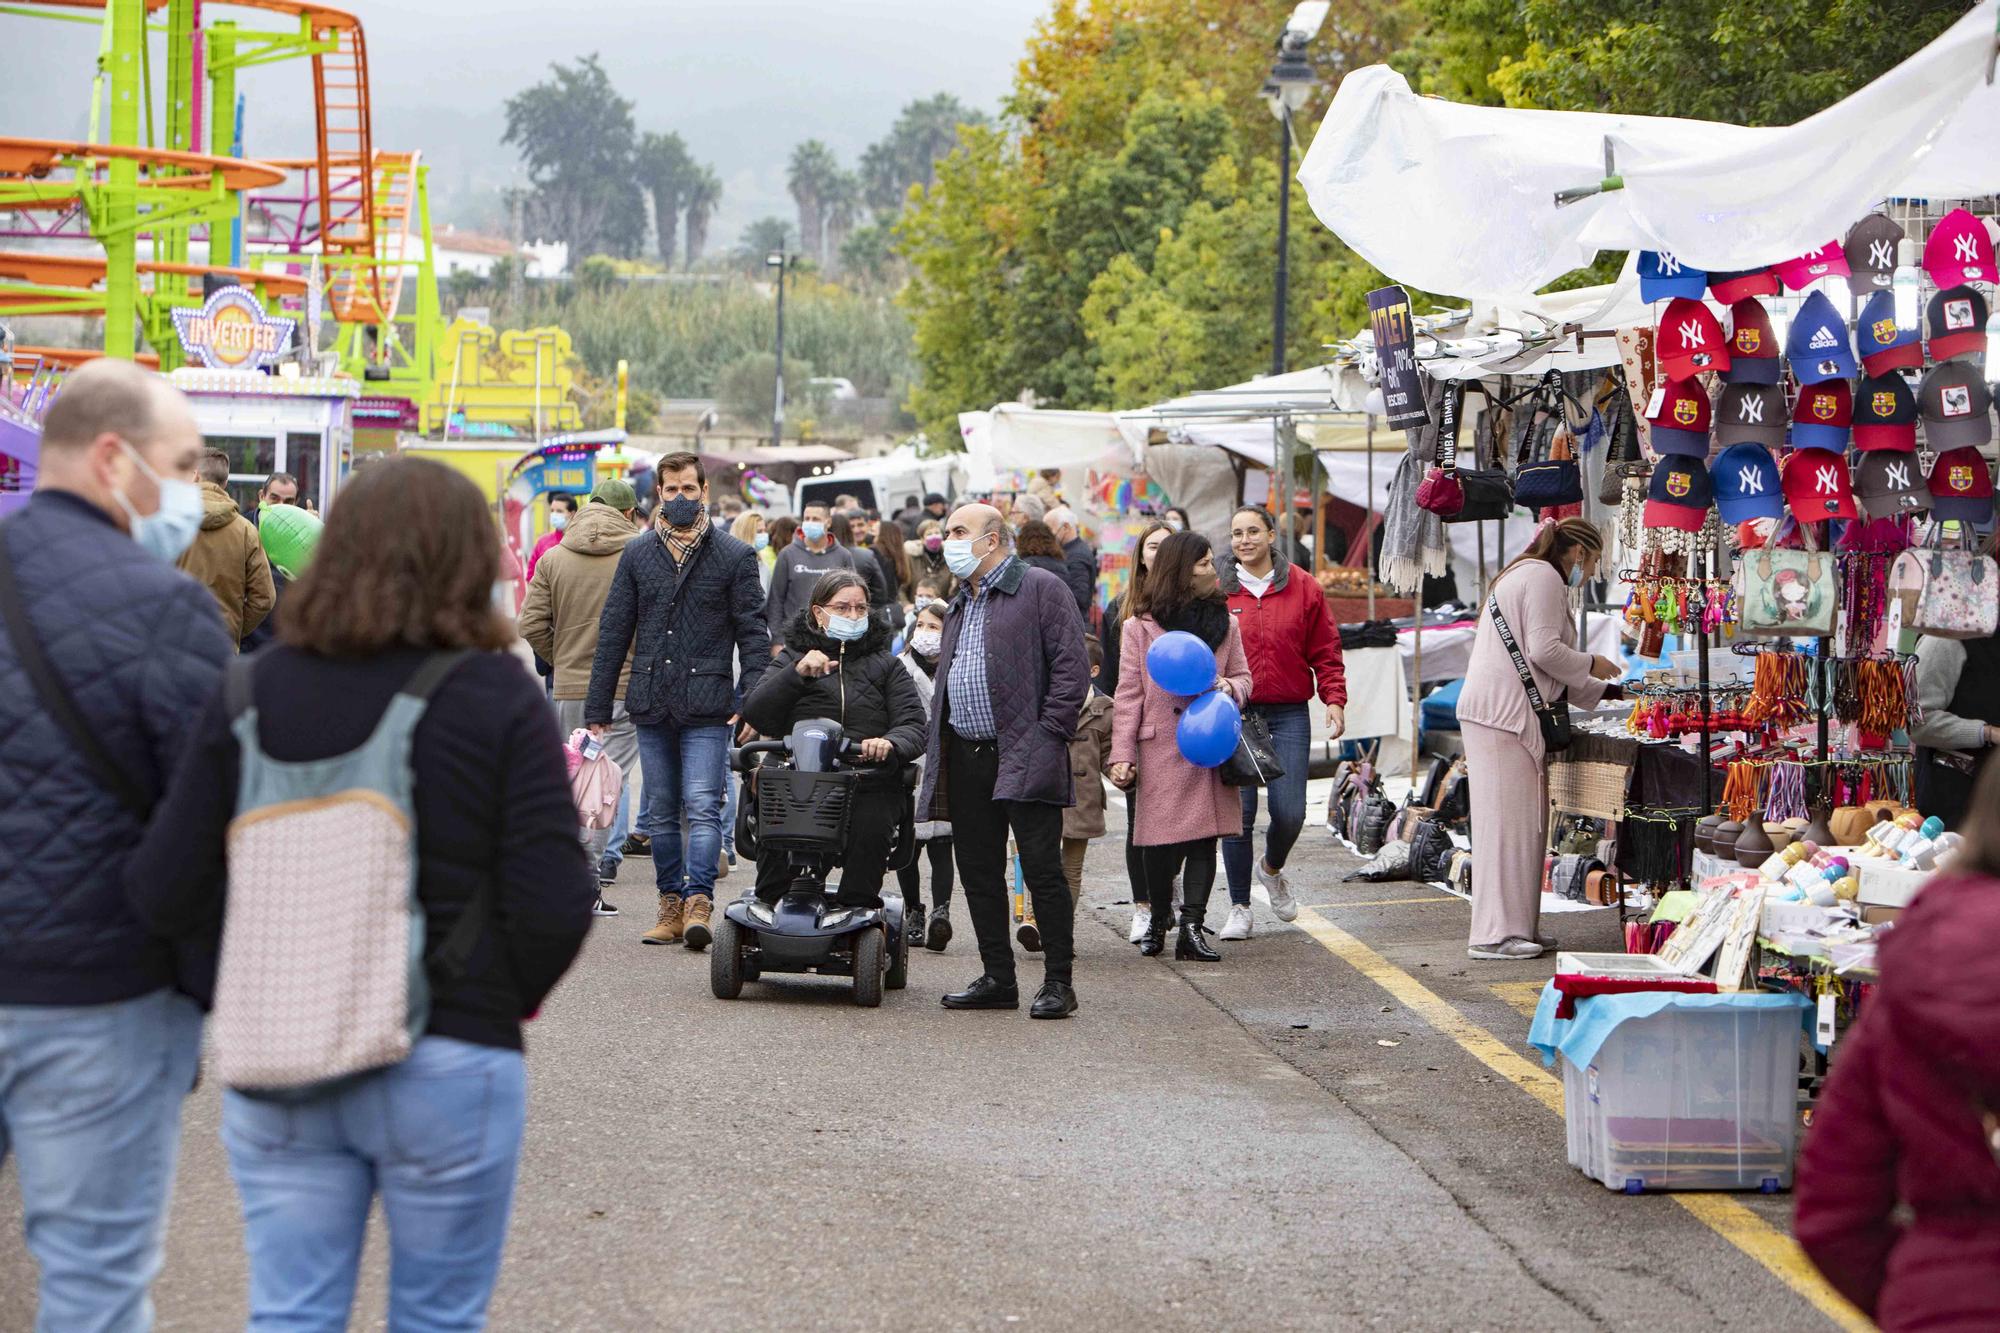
1461,199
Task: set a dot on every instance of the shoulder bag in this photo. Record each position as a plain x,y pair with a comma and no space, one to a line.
1554,721
1440,492
1549,477
1489,495
1255,762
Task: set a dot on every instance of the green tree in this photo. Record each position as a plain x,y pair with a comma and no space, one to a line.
748,389
762,237
704,193
813,177
666,170
576,138
907,156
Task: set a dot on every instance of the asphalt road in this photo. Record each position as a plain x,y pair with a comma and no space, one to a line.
1203,1146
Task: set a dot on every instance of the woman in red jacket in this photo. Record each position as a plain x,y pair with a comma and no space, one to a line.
1899,1180
1294,651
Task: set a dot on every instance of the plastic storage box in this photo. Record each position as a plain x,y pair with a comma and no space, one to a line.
1693,1097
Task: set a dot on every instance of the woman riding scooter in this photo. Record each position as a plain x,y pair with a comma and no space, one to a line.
837,665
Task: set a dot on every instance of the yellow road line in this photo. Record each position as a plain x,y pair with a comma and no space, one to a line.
1394,902
1523,995
1778,1253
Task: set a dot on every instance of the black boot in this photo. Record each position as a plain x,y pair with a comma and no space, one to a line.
938,933
913,924
1155,939
1191,946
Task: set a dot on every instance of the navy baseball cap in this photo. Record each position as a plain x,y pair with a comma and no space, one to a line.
1663,277
1958,323
1680,493
1885,415
1745,480
1818,347
1885,345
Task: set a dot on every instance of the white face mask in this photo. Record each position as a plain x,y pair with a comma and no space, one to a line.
168,531
558,520
927,642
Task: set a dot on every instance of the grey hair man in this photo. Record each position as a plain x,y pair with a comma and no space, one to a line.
1079,557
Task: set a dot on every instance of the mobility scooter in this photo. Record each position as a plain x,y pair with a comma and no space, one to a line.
800,808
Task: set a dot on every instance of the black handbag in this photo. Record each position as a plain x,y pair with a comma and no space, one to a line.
1255,763
1488,493
1554,721
1430,850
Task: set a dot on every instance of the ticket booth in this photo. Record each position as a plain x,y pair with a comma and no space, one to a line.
303,425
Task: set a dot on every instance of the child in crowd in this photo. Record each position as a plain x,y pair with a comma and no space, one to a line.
1089,751
920,657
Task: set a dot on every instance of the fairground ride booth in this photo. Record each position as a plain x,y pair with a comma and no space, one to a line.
302,425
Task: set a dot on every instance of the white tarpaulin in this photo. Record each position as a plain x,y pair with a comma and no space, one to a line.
1014,438
1461,199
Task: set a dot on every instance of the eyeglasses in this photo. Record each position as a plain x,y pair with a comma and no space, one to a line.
848,608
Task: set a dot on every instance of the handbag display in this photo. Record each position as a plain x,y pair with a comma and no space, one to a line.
1961,596
1787,594
1487,494
1554,721
1549,477
1439,492
1255,762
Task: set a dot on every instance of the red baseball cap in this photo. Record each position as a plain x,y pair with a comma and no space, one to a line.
1823,415
1733,287
1959,250
1753,345
1817,486
1962,486
1830,260
1885,415
1680,423
1690,340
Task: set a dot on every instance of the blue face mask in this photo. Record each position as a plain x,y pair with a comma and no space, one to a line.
1576,575
815,531
761,540
845,628
958,556
167,532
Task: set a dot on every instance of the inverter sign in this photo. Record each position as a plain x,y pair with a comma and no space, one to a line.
231,332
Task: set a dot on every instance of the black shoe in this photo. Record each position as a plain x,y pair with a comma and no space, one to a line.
1056,999
607,874
602,908
638,844
939,933
985,993
1155,938
1191,945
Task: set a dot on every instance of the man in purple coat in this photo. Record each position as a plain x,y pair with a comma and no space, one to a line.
1011,680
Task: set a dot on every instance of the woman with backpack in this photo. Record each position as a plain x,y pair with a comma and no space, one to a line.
386,777
836,665
1184,811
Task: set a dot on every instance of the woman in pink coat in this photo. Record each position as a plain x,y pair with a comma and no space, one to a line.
1187,810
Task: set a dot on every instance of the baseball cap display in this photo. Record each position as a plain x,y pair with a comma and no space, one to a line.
1680,425
1680,493
1817,346
1663,277
1690,340
1826,262
1821,417
1885,346
1871,251
1961,487
1886,485
1959,250
1885,414
1753,345
1751,413
1735,286
1817,486
1745,481
1957,320
1957,409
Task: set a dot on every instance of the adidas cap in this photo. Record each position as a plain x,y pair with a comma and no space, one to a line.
1817,346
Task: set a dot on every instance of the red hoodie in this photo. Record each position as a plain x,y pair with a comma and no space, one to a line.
1288,636
1899,1125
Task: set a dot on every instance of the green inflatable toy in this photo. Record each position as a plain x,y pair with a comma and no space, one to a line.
289,534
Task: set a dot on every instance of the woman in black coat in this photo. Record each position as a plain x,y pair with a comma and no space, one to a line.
837,665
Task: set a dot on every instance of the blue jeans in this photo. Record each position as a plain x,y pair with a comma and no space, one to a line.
438,1136
686,768
1291,737
90,1106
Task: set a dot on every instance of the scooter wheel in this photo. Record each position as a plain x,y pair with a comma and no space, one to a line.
725,960
899,963
869,959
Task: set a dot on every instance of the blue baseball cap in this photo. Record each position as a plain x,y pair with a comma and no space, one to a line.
1818,348
1663,277
1745,479
1884,345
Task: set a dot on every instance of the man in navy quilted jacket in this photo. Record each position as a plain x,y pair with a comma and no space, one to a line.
97,1048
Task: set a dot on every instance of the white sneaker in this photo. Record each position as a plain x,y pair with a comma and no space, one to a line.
1506,950
1142,920
1238,925
1279,892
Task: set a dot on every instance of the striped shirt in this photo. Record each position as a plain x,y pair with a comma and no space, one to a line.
971,698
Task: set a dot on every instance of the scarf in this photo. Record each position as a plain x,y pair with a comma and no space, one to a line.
1413,543
1206,618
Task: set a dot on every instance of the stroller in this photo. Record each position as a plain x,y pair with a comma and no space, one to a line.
801,809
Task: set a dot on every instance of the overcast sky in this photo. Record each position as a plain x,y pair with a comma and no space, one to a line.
740,80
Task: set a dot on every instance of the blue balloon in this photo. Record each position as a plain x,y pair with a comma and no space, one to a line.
1210,729
1180,663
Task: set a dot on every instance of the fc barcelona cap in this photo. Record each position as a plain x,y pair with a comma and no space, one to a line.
1753,345
1752,414
1961,487
1690,340
1822,416
1680,493
1828,261
1663,277
1817,486
1745,480
1733,287
1959,250
1871,251
1885,414
1957,320
1817,347
1886,485
1681,420
1885,346
1957,410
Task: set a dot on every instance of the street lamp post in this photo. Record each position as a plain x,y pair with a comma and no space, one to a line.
1288,89
779,261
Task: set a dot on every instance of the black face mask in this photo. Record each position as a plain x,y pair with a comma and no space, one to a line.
681,511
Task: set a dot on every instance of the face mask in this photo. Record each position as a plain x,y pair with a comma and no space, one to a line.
845,628
558,521
168,532
761,540
1175,524
1576,575
927,642
933,543
814,531
958,557
681,511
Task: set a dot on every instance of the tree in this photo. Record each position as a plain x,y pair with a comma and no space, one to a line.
576,137
843,209
704,193
748,389
665,169
907,156
812,177
764,236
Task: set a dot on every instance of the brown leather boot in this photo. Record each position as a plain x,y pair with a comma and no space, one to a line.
668,928
698,935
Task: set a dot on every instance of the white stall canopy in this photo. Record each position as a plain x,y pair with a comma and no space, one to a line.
1462,199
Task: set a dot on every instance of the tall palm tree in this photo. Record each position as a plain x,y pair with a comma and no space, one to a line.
704,193
665,169
811,178
843,210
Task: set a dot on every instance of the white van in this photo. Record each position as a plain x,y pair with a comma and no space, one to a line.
884,483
